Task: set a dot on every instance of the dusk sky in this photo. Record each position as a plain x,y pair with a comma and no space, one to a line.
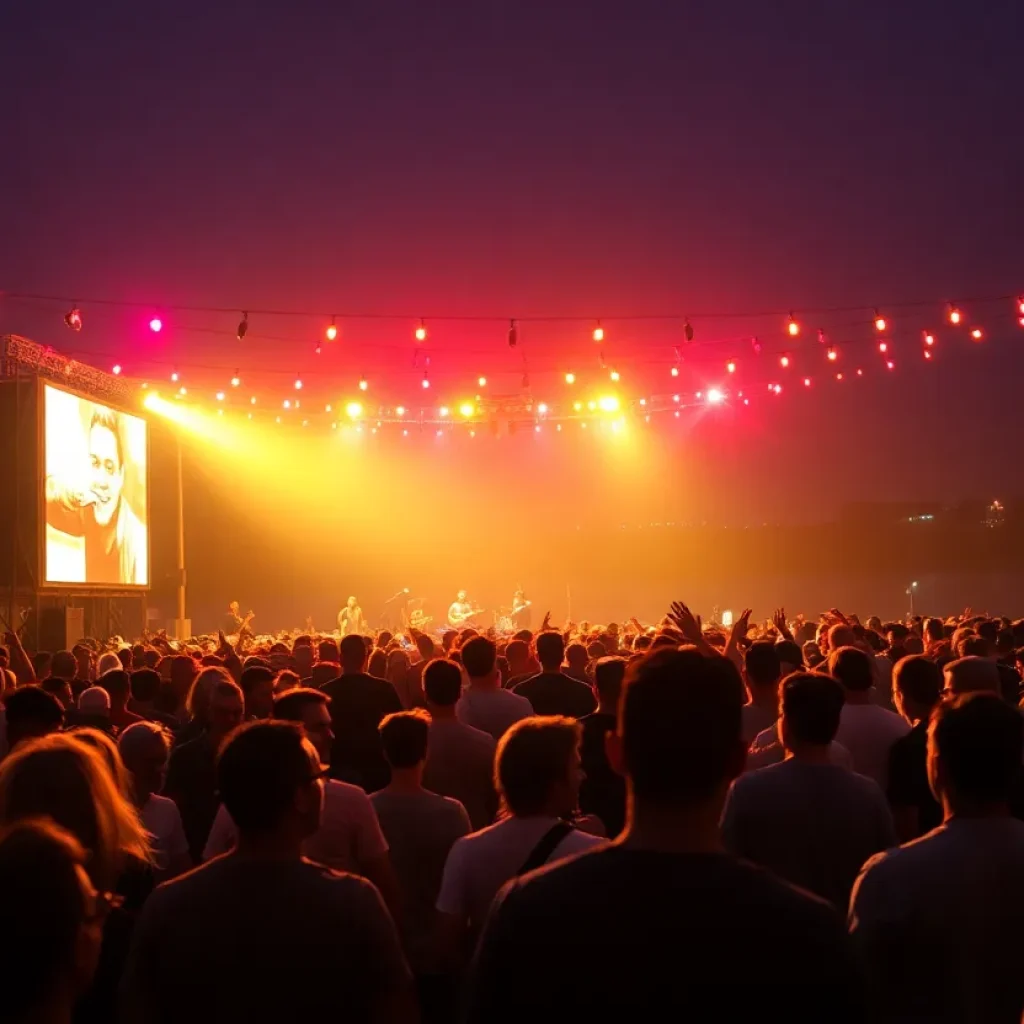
526,158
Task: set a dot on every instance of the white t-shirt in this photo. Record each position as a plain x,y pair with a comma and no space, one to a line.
767,749
349,836
162,820
868,732
492,711
480,864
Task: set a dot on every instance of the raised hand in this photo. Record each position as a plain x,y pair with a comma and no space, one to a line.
546,624
686,622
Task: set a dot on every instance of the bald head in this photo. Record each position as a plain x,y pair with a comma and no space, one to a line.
971,675
841,635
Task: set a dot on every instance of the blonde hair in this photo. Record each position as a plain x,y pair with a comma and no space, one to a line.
197,703
111,757
68,780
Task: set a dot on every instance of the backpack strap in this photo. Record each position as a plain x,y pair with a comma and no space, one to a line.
547,845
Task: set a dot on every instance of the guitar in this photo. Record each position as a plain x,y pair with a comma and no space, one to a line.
461,618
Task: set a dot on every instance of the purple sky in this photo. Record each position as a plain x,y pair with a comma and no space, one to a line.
523,158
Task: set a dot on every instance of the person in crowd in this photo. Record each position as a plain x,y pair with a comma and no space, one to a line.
257,683
145,689
51,923
408,686
93,711
599,936
145,749
603,790
61,689
68,780
762,673
420,827
970,674
791,658
917,684
460,759
117,683
576,662
866,730
358,704
85,668
31,712
183,673
197,701
377,666
108,662
940,921
425,652
349,837
551,691
64,667
328,934
484,704
191,774
521,663
810,821
537,773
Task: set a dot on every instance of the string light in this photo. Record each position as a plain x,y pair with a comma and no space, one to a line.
807,382
354,410
889,365
332,330
839,376
252,401
174,376
364,384
243,326
715,396
674,371
883,347
542,408
73,318
570,378
467,409
955,316
976,334
577,406
236,380
443,411
929,339
792,327
116,370
298,383
286,404
513,334
927,354
400,411
832,354
327,407
421,331
687,331
615,376
784,361
220,396
183,390
481,382
880,323
1020,304
598,332
730,367
156,325
860,372
425,383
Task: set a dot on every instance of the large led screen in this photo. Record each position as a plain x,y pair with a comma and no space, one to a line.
95,500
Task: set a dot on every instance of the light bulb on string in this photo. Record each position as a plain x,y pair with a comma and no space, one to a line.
400,411
243,326
236,380
156,325
570,378
183,390
792,327
332,331
687,330
220,396
598,332
880,323
1020,305
784,361
421,331
832,354
883,347
513,334
542,409
252,400
73,318
889,364
955,316
116,369
425,383
976,333
174,376
929,339
674,371
807,382
286,404
730,367
839,376
860,372
298,383
615,376
927,354
364,384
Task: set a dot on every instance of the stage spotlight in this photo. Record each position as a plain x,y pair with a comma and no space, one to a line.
577,406
443,411
467,409
220,396
715,396
73,318
298,383
883,347
609,403
243,326
174,376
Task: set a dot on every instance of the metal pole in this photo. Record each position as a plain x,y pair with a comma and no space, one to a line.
181,546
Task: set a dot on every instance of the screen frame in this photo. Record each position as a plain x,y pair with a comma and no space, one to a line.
40,484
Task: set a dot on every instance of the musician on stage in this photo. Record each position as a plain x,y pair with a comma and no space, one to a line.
351,619
461,611
233,621
521,614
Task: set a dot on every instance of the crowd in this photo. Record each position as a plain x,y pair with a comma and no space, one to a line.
819,821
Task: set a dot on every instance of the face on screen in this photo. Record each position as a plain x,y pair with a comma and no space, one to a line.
106,473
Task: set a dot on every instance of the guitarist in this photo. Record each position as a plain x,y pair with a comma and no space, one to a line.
461,611
233,622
